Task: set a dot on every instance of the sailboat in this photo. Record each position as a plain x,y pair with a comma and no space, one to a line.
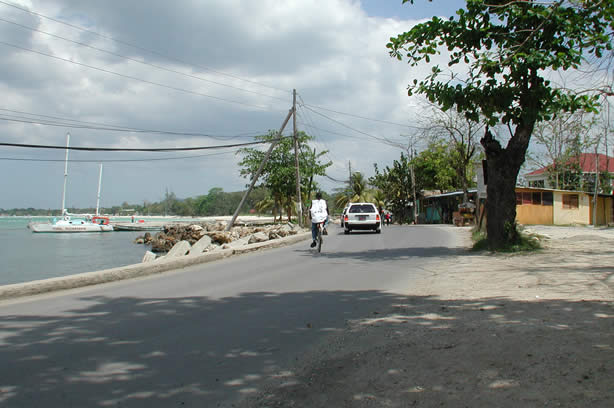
73,222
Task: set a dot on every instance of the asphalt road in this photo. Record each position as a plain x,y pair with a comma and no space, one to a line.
206,335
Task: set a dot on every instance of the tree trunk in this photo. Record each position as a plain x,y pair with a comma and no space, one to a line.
503,166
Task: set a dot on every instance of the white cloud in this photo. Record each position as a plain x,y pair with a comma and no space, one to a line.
331,51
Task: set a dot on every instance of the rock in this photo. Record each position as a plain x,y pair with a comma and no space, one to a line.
139,240
149,257
195,227
258,237
220,237
179,249
212,247
201,245
238,243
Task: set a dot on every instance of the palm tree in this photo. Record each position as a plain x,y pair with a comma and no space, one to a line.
379,199
357,192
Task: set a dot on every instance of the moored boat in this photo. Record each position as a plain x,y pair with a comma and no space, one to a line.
69,224
72,222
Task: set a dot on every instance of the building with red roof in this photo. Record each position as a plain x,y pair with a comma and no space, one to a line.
588,164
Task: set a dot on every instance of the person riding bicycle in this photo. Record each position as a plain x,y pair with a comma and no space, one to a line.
318,212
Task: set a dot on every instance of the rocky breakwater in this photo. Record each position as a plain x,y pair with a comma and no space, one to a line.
194,239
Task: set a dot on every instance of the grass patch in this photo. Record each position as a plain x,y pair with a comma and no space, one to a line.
526,243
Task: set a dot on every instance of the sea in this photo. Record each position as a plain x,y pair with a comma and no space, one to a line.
26,256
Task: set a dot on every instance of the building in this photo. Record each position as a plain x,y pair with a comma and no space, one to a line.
534,206
561,207
587,163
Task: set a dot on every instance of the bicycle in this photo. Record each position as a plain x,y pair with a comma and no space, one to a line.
319,238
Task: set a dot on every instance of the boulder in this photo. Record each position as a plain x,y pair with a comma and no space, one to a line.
179,249
201,245
258,237
139,240
149,257
238,243
220,237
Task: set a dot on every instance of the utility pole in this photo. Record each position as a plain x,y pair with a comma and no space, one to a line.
299,210
255,177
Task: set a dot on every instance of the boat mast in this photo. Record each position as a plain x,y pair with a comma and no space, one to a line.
99,184
65,174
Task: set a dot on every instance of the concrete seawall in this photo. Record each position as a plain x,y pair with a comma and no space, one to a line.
136,270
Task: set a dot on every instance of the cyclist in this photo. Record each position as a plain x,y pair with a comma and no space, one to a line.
318,212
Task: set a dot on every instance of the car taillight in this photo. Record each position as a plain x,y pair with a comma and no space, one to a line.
345,218
377,217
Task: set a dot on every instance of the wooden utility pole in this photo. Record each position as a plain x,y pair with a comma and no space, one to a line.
255,177
299,209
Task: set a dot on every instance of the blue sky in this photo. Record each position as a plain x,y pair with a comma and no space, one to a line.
420,9
208,73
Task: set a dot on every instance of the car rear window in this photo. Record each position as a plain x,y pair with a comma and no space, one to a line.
362,208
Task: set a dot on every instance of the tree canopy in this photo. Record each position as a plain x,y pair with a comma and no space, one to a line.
501,53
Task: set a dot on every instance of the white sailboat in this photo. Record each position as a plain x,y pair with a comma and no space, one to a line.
73,222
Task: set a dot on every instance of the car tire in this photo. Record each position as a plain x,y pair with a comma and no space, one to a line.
346,231
378,231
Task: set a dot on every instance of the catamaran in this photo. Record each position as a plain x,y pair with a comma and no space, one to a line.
74,222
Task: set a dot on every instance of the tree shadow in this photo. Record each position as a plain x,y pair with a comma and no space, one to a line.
199,351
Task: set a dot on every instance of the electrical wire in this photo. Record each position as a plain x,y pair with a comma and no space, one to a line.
363,117
117,160
133,78
64,122
139,61
140,48
122,149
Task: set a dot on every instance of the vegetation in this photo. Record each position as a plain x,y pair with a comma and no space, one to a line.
278,175
526,243
507,48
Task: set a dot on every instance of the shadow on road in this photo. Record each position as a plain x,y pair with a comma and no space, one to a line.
161,352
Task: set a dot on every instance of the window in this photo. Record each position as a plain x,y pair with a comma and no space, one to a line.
518,198
570,201
526,198
536,198
537,183
365,208
547,198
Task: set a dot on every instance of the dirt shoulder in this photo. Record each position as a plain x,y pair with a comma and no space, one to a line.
476,330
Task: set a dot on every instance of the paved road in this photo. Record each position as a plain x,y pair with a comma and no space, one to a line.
206,335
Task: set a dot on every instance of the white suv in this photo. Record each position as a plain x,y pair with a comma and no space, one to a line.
362,216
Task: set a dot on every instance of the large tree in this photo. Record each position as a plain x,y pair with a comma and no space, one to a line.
503,52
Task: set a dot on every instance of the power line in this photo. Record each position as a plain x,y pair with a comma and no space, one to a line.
363,117
344,125
131,77
122,149
139,61
64,122
117,160
140,48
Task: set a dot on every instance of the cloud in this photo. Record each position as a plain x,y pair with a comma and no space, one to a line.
225,68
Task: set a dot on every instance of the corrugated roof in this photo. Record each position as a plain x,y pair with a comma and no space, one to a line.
587,163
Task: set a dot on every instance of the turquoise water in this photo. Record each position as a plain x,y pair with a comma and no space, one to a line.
26,256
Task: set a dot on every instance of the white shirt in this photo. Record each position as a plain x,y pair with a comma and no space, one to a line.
319,211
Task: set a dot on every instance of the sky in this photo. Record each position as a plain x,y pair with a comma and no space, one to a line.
160,74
